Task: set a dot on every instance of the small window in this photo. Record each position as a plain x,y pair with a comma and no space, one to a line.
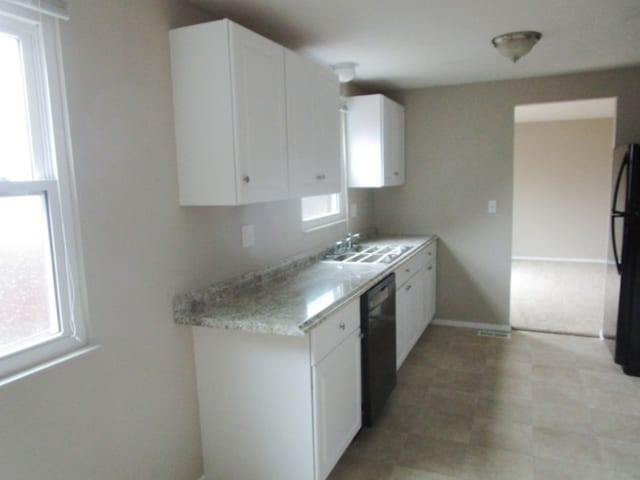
42,314
322,210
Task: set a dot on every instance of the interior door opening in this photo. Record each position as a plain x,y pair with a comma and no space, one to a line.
562,168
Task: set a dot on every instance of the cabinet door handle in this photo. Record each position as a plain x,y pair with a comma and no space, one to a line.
407,288
429,253
408,270
322,176
396,173
246,179
342,326
430,268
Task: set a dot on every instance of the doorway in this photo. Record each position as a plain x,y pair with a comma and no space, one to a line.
562,168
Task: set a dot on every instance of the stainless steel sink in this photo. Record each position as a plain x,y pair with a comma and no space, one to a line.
370,254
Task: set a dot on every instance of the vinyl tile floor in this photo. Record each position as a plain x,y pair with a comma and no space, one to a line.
534,407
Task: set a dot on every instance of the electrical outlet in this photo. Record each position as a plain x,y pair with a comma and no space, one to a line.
248,236
353,209
492,206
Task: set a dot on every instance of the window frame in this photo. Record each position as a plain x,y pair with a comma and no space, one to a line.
324,220
53,178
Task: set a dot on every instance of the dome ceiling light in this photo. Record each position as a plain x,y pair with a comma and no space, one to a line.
515,45
346,71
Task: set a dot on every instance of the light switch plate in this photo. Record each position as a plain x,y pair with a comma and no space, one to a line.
248,236
492,206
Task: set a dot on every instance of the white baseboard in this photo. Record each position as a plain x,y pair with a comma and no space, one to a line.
202,478
560,259
477,325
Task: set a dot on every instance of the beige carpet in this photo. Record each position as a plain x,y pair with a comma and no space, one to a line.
563,297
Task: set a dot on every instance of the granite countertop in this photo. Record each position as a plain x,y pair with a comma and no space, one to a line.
290,298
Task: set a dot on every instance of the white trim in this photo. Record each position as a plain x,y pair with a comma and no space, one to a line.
323,221
202,478
54,8
560,259
54,178
476,325
46,365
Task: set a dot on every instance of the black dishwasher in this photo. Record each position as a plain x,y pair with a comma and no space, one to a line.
378,326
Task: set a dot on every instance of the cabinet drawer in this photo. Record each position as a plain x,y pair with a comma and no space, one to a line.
326,336
409,268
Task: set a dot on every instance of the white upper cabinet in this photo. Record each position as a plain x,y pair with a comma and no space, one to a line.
394,149
250,126
375,142
229,103
313,127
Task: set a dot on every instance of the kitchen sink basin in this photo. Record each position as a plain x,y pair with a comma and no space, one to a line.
371,254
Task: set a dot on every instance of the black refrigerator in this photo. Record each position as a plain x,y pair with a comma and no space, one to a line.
622,303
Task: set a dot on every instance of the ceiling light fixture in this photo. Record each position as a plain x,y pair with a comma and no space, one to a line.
515,45
346,71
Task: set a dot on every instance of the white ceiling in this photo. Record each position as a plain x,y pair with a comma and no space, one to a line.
416,43
572,110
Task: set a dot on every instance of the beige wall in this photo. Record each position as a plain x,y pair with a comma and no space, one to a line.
561,183
460,155
129,410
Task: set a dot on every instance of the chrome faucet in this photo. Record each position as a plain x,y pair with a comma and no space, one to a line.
352,240
345,245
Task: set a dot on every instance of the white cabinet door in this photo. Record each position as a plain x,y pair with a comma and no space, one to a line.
430,282
393,127
430,292
417,321
257,72
375,142
395,161
313,128
328,130
365,140
403,323
230,115
410,320
336,403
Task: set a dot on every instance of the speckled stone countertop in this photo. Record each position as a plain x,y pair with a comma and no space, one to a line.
290,298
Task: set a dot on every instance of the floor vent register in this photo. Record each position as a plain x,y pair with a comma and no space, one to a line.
494,334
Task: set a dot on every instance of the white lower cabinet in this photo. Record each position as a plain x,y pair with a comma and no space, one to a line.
415,299
336,403
430,292
409,315
430,282
417,323
276,407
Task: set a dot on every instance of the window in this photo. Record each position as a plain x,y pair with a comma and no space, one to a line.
42,312
322,210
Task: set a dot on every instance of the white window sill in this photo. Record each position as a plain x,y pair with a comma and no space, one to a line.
48,364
